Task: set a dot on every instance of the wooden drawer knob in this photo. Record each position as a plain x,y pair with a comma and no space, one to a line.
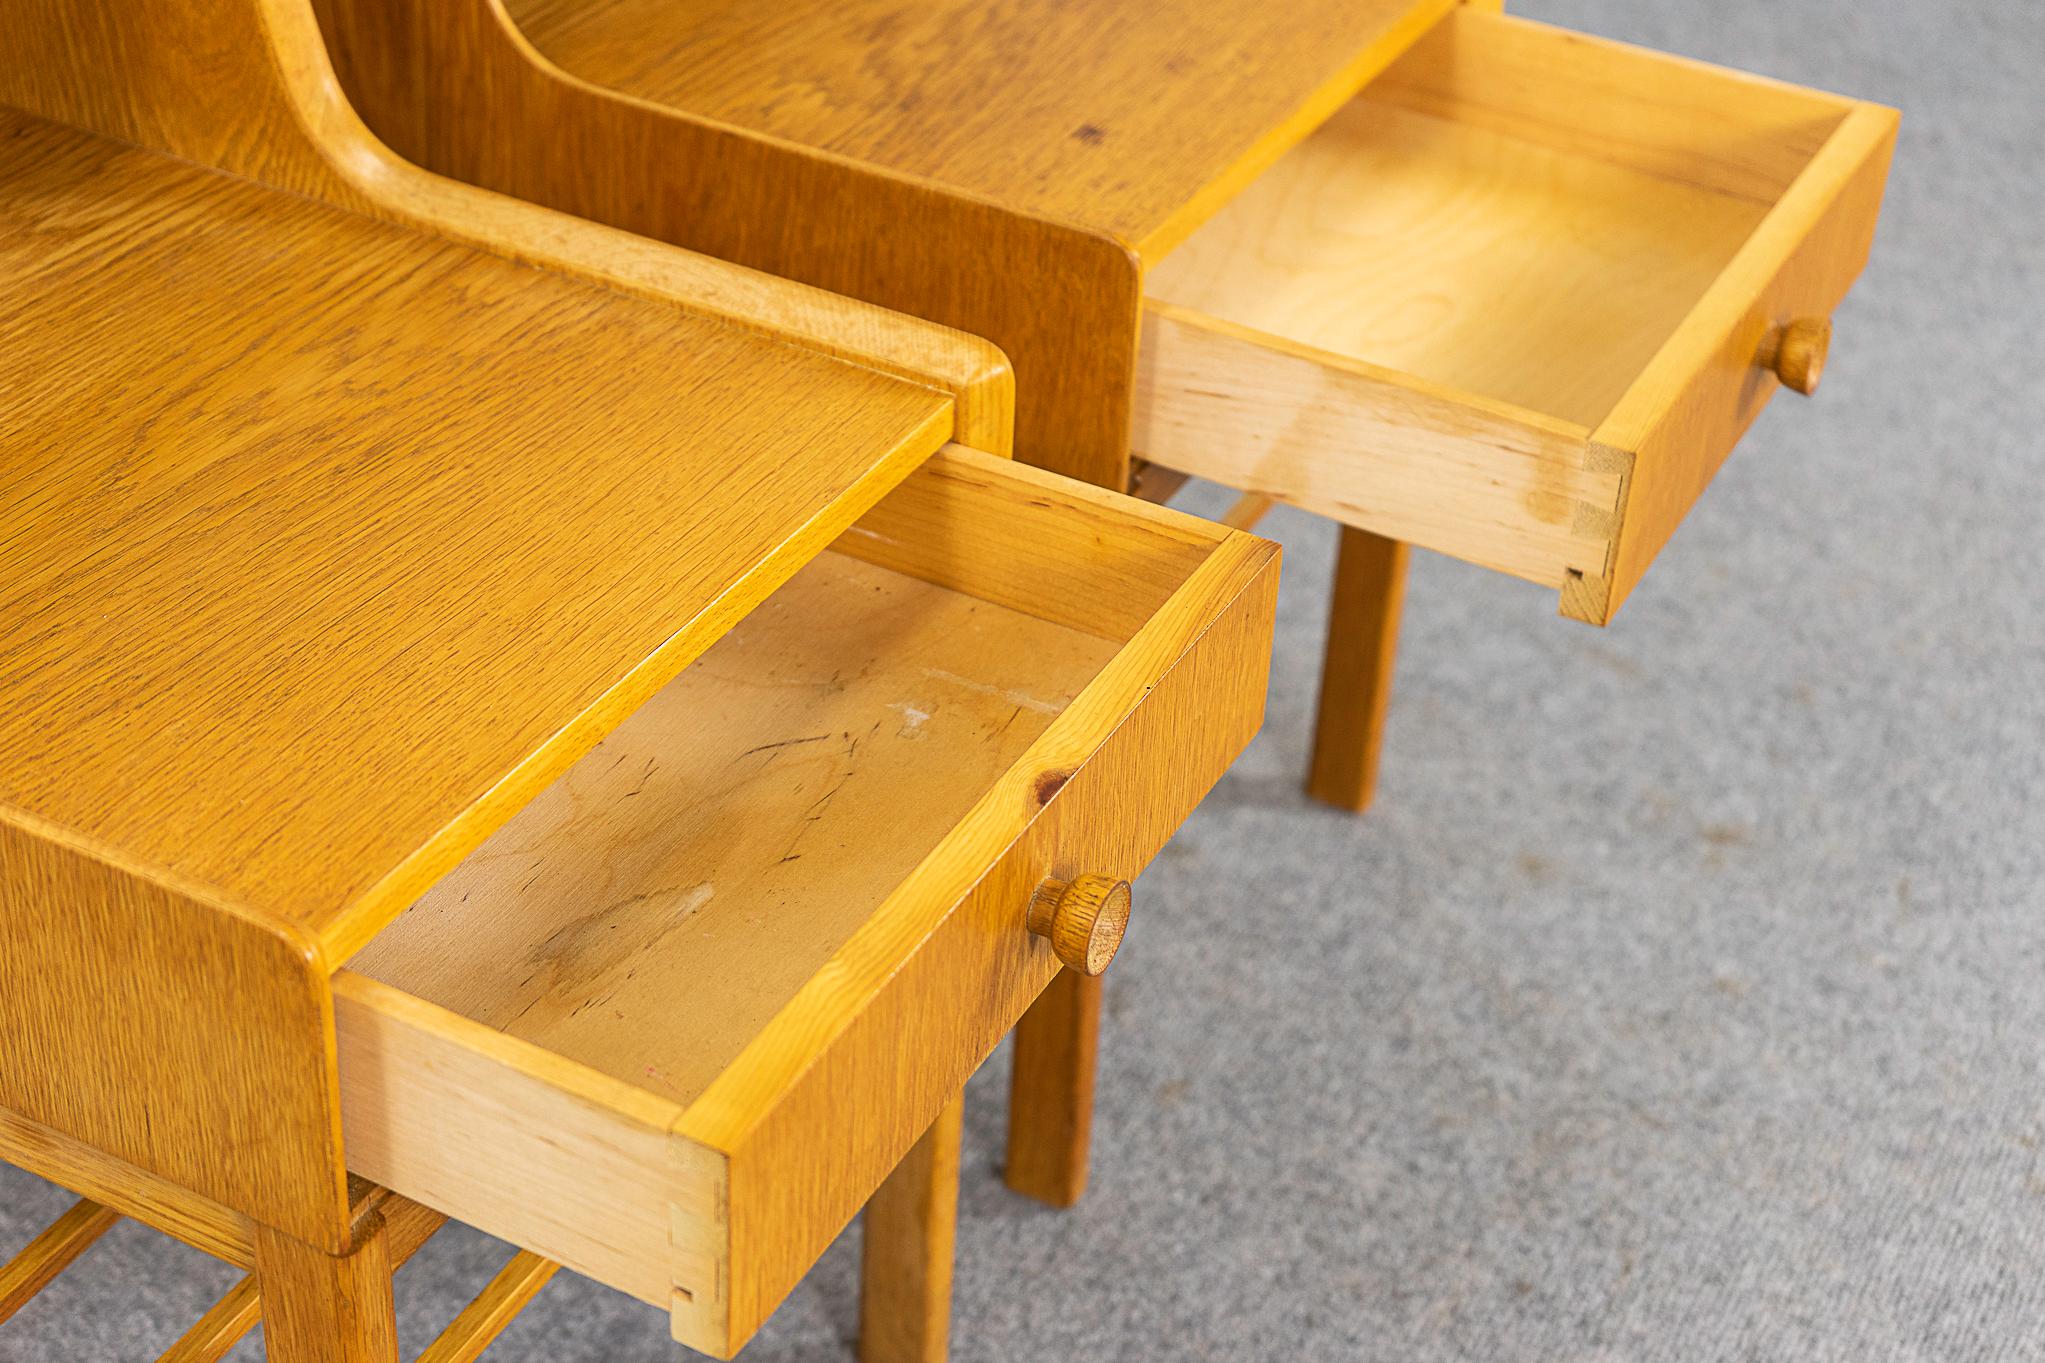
1796,352
1084,918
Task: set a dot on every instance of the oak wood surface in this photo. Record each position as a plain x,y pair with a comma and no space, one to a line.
259,628
53,1250
1452,315
1356,673
216,1332
323,1308
1116,116
155,1201
246,87
650,910
1027,216
1051,1091
149,1018
408,1226
495,1307
906,1249
946,634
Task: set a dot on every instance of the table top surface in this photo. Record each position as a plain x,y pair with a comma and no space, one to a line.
324,543
1132,118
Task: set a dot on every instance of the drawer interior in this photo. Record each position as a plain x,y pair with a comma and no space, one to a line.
1511,210
650,910
586,1036
1518,241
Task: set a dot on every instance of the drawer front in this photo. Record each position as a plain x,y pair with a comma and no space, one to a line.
713,1203
1516,302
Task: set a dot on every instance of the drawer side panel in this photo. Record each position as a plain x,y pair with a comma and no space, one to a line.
1677,424
914,1003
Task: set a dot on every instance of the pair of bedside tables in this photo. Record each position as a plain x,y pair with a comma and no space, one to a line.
510,720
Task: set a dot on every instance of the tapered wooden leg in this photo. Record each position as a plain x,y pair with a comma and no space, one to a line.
1051,1098
319,1308
905,1278
1356,676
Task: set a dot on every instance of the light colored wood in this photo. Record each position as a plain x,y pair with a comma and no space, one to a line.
1471,259
1049,155
51,1252
654,908
1072,115
322,1308
1447,316
1356,673
1247,510
106,1043
156,1202
1796,351
483,1319
1699,395
906,1250
1083,919
518,1142
407,1225
221,1328
246,86
337,414
857,920
413,419
1372,447
1051,1091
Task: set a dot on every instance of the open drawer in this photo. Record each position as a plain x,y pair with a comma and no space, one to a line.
676,1020
1517,301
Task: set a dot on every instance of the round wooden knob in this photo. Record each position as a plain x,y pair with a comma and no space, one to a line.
1084,918
1796,352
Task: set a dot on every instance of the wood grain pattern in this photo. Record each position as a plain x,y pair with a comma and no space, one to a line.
247,87
322,1308
906,1248
483,1319
1696,399
706,1184
356,480
221,1328
1078,114
101,1043
517,1142
1356,673
52,1251
156,1202
1052,181
654,907
1051,1091
1518,249
1474,259
942,959
1372,447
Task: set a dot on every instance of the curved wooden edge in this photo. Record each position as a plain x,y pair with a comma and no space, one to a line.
247,86
476,101
218,1078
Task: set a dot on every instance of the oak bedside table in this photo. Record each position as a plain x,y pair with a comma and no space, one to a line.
1447,277
504,720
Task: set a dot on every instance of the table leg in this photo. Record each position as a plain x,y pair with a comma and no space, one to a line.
905,1276
1051,1098
1356,676
322,1308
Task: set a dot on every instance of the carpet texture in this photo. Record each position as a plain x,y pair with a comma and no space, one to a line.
1682,997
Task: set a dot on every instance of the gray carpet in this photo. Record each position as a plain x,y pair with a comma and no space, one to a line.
1682,998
